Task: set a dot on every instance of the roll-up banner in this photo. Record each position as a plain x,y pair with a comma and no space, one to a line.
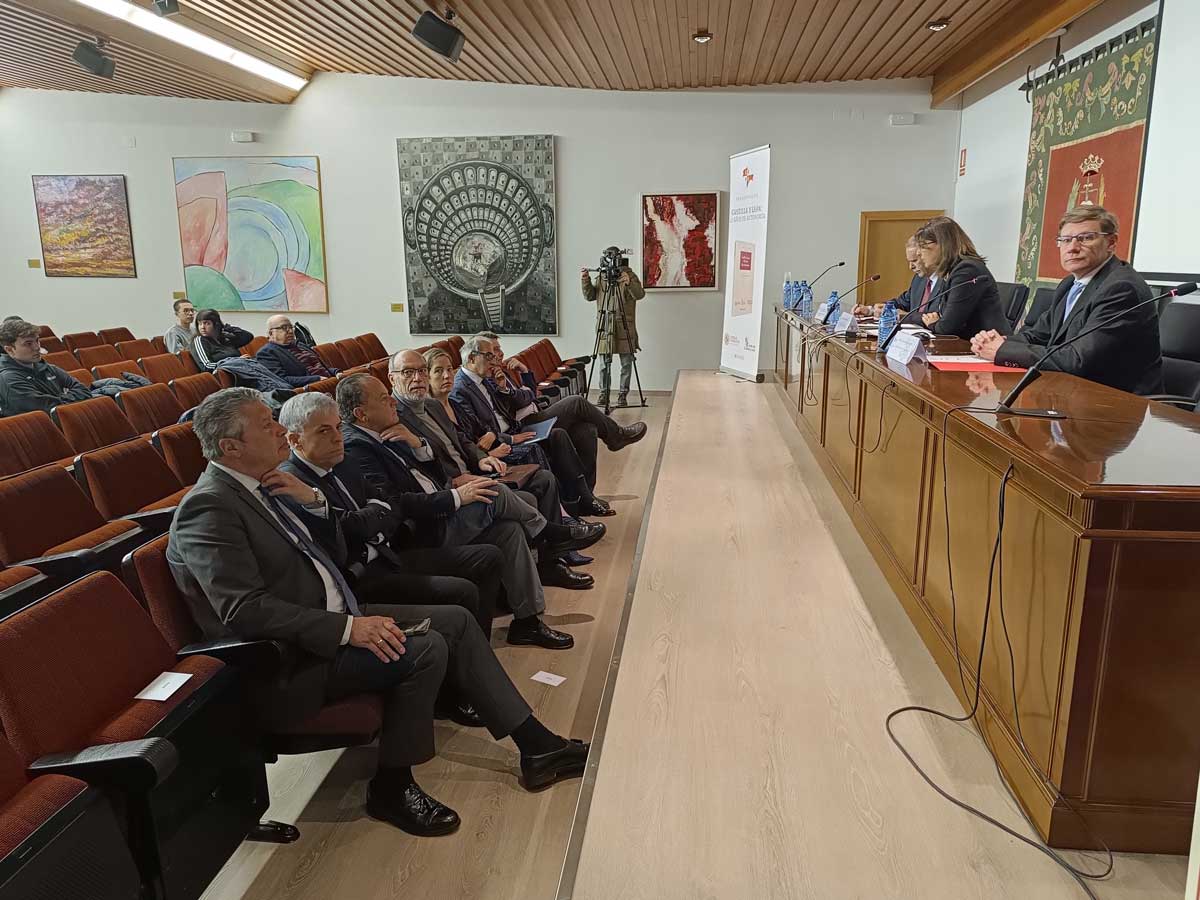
749,182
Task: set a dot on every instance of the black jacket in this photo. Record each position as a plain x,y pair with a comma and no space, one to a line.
385,468
910,299
967,309
1124,354
25,388
288,366
470,453
207,352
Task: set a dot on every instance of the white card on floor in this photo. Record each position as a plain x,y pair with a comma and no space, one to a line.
548,678
162,687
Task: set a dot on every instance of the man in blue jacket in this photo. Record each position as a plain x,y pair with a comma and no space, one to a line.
293,361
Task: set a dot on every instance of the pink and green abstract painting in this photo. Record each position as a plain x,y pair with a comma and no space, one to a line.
251,232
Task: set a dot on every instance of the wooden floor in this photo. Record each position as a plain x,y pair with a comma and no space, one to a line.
512,843
745,755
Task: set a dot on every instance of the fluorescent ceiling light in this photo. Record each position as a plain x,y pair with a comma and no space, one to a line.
181,34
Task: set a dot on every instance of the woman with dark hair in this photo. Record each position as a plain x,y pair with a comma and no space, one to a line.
962,298
215,341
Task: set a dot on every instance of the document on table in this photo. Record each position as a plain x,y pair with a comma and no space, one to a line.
967,362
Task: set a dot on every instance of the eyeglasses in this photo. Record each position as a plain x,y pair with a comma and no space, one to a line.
284,328
1085,237
411,373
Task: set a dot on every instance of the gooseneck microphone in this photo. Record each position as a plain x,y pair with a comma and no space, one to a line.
857,286
887,342
1033,372
822,275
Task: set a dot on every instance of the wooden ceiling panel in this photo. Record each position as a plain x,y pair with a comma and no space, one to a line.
607,44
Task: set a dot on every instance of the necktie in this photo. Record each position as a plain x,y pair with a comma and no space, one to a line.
928,291
333,487
309,546
1072,296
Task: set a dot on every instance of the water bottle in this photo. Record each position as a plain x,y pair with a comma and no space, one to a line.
787,290
834,308
793,295
806,299
888,320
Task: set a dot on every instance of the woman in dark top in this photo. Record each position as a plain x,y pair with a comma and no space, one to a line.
215,340
963,309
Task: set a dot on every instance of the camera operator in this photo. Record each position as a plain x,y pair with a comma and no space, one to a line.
616,318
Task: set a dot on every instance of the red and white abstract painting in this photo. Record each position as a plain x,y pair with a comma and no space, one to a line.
679,241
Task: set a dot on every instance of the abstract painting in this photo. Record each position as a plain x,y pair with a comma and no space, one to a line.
479,229
679,241
1086,147
84,226
251,232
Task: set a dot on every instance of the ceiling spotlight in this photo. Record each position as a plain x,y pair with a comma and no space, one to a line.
938,24
703,36
90,57
166,7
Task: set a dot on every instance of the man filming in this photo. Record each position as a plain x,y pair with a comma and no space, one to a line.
616,319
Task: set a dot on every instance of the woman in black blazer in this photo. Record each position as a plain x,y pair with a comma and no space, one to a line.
962,309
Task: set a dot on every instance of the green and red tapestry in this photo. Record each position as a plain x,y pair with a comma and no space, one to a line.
1086,147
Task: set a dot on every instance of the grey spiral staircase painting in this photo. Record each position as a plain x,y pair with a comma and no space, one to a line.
479,227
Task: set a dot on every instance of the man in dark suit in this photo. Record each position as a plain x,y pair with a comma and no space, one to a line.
466,576
292,360
248,549
1124,354
400,466
504,408
914,294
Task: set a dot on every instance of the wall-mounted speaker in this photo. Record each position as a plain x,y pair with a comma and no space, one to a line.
89,56
439,36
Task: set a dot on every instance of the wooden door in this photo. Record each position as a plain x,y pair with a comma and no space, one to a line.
881,240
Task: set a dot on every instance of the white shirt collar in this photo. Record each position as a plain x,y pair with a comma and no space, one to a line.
1085,280
246,481
321,472
478,379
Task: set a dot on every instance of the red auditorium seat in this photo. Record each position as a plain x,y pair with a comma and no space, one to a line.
130,478
116,370
53,345
161,368
325,386
83,376
256,344
331,356
45,331
100,355
93,423
191,389
150,408
20,586
373,346
189,362
160,345
134,350
30,440
352,353
64,359
180,449
380,371
113,335
81,339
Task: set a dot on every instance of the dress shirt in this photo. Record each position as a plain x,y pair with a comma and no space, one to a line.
424,453
477,380
321,472
1075,289
334,601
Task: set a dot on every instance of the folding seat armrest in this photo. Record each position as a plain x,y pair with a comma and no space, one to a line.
575,364
1174,400
128,765
577,361
154,522
549,389
64,567
258,656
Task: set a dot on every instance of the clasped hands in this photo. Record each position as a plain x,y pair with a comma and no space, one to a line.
986,344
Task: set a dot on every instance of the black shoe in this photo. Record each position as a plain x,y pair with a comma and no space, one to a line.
539,634
564,538
595,507
545,769
628,434
556,574
463,714
575,558
413,811
622,401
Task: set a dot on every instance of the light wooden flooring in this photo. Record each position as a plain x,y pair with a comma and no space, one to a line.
745,756
512,843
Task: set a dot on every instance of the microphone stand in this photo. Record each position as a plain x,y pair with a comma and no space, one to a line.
1005,407
822,275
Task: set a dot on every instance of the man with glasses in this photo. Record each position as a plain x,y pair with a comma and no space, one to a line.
1125,353
292,360
180,335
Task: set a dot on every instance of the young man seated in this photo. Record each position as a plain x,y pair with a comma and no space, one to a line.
28,383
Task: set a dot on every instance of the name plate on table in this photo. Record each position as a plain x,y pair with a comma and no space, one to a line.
821,314
846,324
906,348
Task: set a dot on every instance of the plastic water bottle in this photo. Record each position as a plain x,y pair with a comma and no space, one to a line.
787,290
888,320
806,299
834,308
794,295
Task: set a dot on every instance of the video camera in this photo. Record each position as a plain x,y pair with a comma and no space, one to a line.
611,263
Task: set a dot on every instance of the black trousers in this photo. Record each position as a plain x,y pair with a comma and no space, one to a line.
542,490
466,576
454,646
585,424
566,463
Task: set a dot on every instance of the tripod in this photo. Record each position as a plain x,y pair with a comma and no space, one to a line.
609,295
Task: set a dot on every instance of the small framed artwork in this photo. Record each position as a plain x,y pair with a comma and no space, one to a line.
83,221
680,249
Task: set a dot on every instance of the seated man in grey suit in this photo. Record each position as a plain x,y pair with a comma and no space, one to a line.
248,550
1125,353
400,466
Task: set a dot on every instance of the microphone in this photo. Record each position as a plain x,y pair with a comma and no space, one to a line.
1034,371
887,342
822,275
857,286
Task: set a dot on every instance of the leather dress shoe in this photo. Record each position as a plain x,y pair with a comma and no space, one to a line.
628,434
413,811
539,634
575,537
555,574
575,558
545,769
595,507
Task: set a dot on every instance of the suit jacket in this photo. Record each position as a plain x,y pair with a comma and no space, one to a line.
1124,354
470,453
966,310
287,365
386,470
910,299
242,575
466,397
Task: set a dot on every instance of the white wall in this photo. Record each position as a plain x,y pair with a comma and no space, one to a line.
995,133
833,155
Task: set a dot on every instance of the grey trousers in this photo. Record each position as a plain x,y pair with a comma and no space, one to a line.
606,374
508,523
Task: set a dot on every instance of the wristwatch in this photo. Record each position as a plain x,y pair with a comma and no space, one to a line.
318,498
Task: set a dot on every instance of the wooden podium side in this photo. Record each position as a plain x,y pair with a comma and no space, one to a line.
1101,585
